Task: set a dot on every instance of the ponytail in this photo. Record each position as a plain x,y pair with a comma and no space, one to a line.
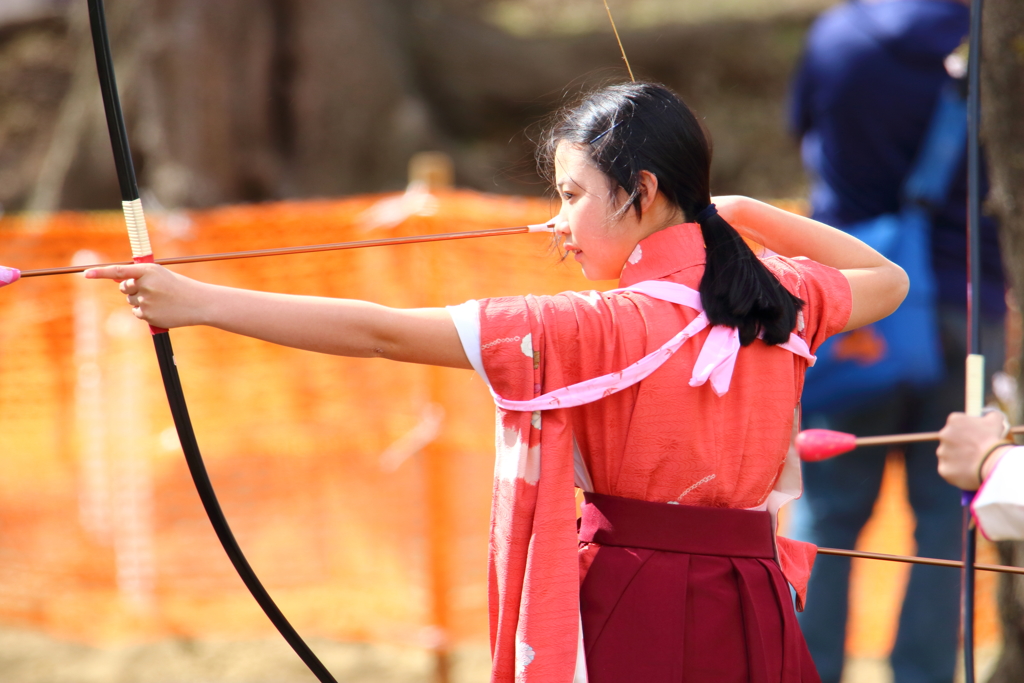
635,127
737,290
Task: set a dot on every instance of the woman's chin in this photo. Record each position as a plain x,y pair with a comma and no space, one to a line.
593,274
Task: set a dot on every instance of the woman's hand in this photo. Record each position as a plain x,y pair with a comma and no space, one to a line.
157,295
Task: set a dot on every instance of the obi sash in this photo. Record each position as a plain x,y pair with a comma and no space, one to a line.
679,593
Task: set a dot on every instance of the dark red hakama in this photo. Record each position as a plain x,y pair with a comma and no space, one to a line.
685,594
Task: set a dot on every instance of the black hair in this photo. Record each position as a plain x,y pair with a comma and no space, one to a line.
635,127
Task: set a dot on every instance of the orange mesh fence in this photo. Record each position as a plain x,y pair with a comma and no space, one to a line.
359,489
101,534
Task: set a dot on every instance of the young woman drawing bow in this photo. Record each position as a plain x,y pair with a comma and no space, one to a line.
670,401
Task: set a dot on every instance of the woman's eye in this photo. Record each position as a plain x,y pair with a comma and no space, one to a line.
566,196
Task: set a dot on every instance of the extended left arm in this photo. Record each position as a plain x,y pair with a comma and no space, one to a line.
342,327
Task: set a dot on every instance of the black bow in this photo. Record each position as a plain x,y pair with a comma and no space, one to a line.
165,354
975,371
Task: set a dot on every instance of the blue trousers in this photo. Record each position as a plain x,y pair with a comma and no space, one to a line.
839,496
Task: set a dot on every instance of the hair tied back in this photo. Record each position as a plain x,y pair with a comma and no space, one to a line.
705,213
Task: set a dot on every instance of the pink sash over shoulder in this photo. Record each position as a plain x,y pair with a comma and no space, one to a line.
716,360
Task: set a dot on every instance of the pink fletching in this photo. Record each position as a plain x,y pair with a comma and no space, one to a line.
821,444
8,275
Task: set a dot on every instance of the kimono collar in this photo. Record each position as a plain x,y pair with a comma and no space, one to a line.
663,253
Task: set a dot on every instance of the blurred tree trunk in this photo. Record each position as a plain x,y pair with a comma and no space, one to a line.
242,100
1003,111
249,100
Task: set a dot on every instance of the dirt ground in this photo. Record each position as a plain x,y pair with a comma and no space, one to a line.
30,657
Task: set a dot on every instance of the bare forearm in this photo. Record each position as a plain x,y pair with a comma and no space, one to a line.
340,327
791,235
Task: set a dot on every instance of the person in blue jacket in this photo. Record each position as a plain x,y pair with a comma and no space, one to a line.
863,97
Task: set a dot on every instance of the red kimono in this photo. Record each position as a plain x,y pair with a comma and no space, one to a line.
657,606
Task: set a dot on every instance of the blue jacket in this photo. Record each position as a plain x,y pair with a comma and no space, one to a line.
863,96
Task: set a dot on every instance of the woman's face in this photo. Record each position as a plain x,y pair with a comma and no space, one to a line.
598,238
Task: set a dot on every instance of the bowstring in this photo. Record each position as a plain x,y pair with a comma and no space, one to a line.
618,39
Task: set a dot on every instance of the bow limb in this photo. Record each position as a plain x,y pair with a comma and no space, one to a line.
975,370
143,253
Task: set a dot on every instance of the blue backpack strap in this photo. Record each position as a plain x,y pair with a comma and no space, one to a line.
943,147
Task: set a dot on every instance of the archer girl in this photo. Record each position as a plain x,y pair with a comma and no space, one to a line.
670,402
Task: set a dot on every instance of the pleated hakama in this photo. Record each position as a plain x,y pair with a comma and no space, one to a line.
685,594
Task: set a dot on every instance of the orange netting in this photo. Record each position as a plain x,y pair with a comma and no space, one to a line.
358,489
101,534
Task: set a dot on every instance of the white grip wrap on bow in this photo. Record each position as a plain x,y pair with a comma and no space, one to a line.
975,385
137,232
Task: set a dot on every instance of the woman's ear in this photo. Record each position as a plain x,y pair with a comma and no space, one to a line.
648,187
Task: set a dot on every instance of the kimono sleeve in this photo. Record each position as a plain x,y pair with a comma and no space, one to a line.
534,344
825,292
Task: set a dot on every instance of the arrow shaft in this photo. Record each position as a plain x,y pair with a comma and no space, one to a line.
283,251
911,559
893,439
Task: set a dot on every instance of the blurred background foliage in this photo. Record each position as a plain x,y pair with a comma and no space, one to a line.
252,100
232,101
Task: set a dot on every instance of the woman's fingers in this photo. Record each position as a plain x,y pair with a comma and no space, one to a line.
118,273
156,295
127,276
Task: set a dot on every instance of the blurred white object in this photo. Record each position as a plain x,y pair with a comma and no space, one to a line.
415,440
13,11
428,173
393,211
1004,387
